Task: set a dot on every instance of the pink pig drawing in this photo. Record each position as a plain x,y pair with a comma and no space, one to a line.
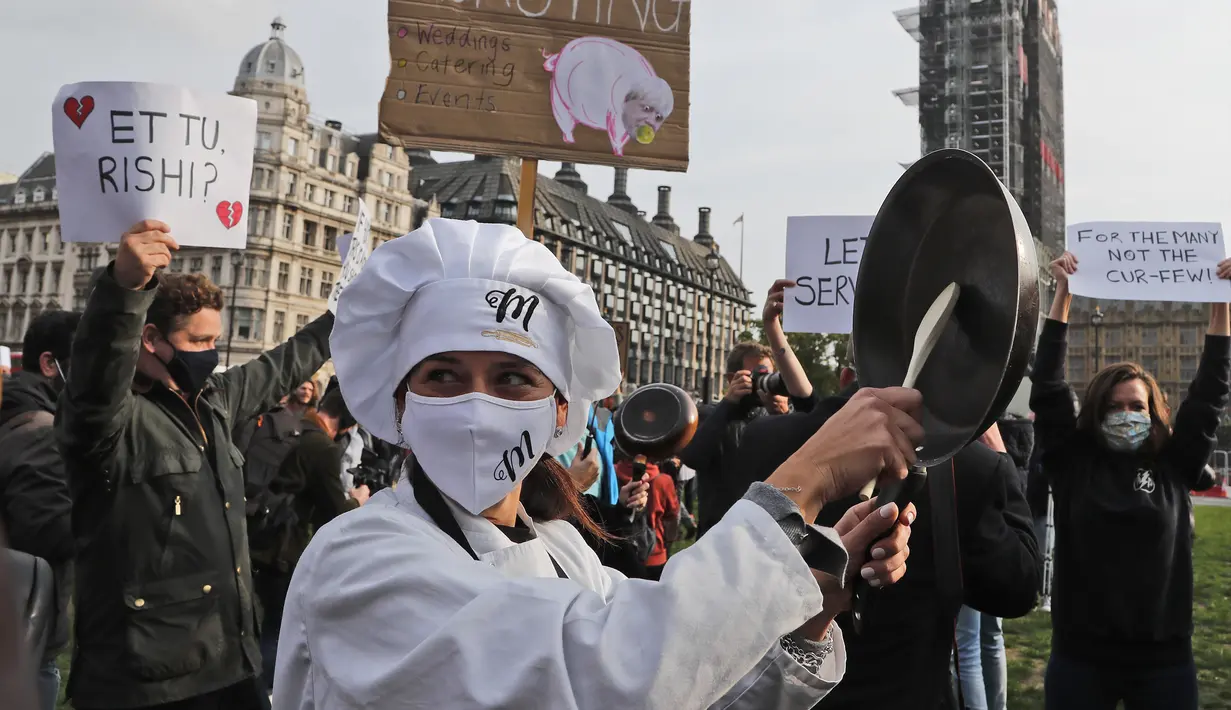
608,86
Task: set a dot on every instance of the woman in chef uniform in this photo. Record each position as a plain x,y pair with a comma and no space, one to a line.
465,587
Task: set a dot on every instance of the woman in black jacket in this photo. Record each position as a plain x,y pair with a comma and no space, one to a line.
1120,475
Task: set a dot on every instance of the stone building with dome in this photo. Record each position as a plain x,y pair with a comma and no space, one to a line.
308,176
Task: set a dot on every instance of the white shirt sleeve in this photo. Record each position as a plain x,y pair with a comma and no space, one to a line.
385,612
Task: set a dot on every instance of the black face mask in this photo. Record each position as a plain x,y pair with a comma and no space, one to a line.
190,370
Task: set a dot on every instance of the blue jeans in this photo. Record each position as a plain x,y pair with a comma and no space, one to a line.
983,671
48,685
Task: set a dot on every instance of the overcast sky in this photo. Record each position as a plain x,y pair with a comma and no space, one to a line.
792,110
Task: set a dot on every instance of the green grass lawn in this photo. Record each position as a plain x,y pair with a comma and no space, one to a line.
1028,640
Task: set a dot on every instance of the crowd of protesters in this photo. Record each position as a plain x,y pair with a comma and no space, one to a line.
172,502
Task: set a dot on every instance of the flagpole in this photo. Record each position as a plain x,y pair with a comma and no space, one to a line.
741,249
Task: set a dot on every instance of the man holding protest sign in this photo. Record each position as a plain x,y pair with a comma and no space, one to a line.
165,607
1120,474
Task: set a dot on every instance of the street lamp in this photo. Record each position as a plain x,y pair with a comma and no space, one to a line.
1096,320
712,261
237,262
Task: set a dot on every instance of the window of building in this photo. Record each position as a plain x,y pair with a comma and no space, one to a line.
215,269
248,323
264,141
301,322
55,193
292,147
55,278
30,241
45,240
331,238
1188,367
39,194
288,225
279,333
291,183
1150,364
387,213
328,199
309,233
1077,336
305,281
348,204
195,264
177,264
284,276
1149,335
1114,337
333,166
1189,335
637,280
314,155
39,272
258,178
309,192
326,283
12,243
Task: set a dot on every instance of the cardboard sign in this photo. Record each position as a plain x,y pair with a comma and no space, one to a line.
591,81
356,256
622,329
1149,261
129,151
822,257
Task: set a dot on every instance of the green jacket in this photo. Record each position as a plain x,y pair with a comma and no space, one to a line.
164,598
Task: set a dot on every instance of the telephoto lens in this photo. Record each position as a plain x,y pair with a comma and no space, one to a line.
768,383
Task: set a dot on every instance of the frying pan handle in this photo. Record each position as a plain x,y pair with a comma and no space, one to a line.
902,493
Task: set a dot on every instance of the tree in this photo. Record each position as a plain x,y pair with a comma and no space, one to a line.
822,356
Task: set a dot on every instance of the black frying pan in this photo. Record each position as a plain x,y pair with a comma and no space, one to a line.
948,219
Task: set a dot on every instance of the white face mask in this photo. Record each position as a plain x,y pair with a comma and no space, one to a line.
476,448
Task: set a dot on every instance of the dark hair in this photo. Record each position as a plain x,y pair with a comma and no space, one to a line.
1098,395
549,493
49,332
180,296
332,405
743,350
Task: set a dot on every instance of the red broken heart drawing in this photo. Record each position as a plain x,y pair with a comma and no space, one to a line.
229,213
79,111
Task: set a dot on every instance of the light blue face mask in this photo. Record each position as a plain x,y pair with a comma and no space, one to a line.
1126,431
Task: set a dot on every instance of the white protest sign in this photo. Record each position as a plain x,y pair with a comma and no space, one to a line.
344,246
822,257
356,256
130,151
1149,261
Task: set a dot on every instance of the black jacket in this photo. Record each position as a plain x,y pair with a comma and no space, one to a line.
165,605
1018,436
34,492
904,650
711,453
311,473
1123,585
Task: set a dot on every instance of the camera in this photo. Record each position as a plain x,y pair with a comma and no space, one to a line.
373,472
765,382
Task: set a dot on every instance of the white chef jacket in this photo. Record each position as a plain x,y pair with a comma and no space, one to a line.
386,612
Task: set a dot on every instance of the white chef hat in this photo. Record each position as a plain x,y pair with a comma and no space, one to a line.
454,286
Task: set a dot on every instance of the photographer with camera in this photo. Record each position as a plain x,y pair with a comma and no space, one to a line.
754,389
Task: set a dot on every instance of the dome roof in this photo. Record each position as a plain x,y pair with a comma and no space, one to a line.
273,60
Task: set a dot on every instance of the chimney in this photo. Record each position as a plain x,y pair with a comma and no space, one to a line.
568,175
703,227
620,198
663,218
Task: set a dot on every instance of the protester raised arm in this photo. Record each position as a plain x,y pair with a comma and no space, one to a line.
793,375
1194,434
1051,398
255,387
97,400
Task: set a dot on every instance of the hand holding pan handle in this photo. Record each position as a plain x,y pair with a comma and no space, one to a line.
902,492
